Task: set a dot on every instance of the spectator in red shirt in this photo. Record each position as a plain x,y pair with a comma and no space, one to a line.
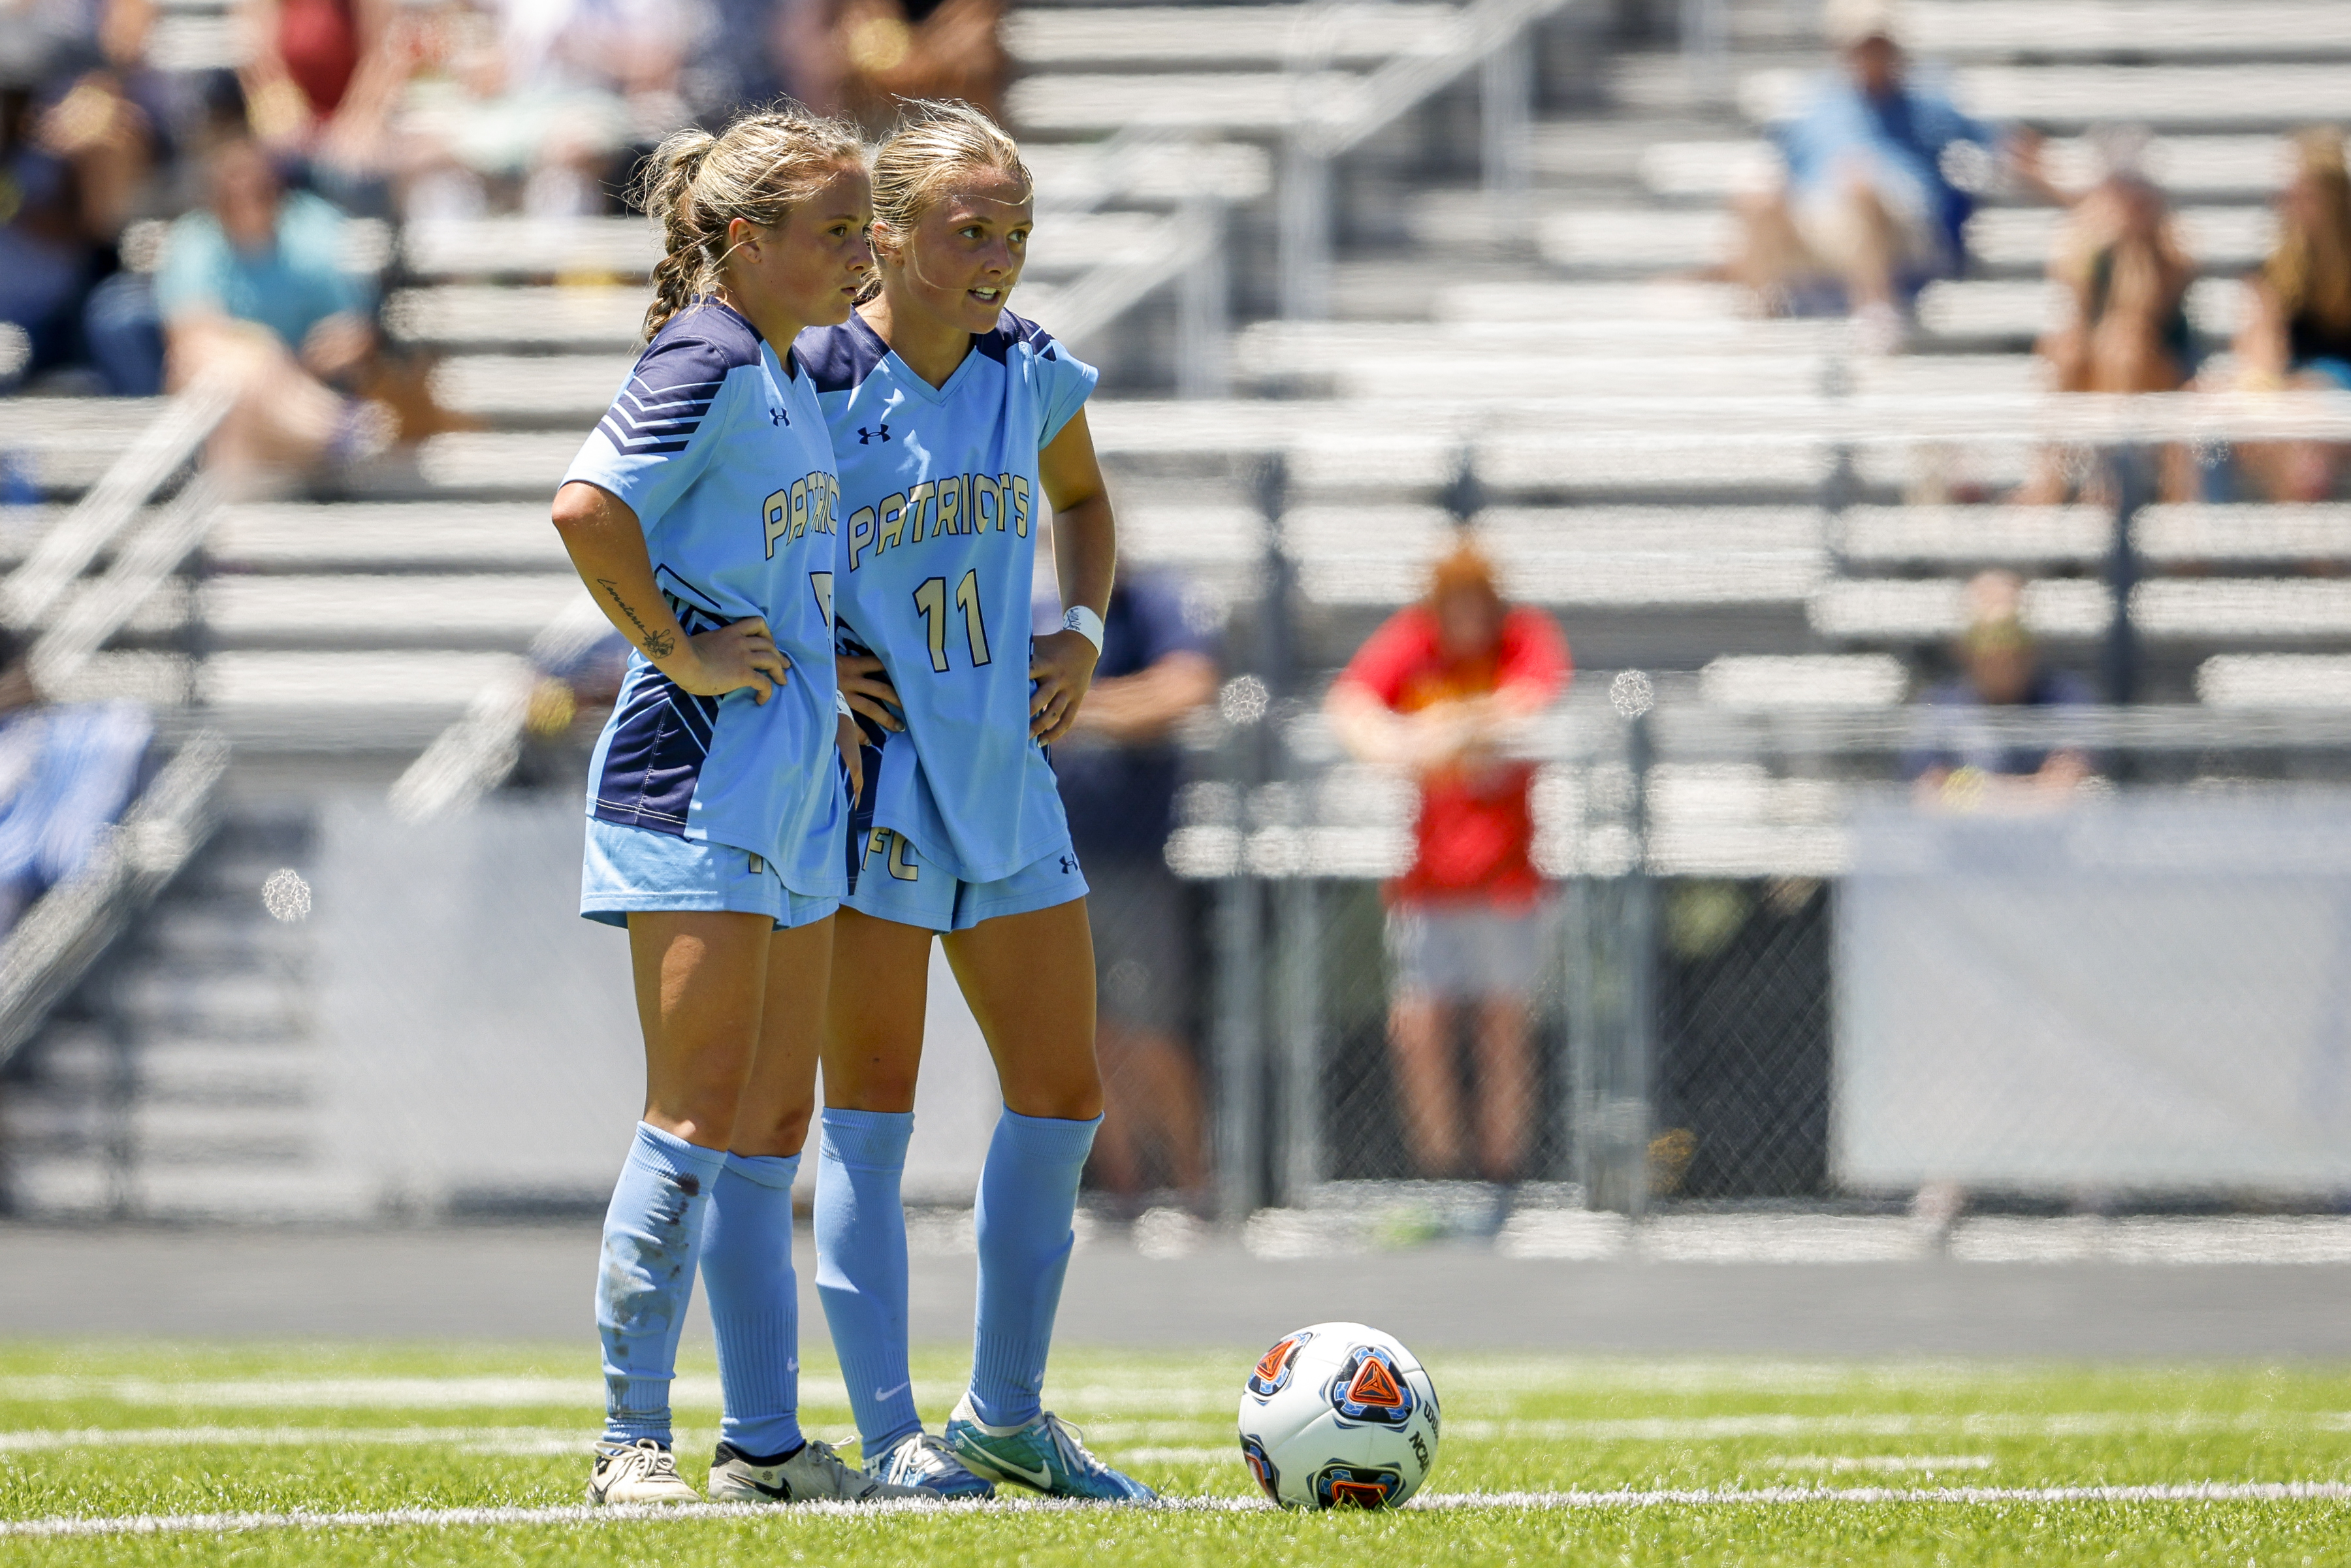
1436,690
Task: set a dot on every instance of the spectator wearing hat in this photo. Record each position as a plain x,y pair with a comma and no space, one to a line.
1868,208
1956,758
1436,691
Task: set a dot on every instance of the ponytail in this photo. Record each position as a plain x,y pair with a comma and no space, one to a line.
757,169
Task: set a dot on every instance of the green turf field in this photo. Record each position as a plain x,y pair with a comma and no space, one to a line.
1797,1459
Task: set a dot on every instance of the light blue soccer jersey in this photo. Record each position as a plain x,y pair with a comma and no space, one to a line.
722,453
939,505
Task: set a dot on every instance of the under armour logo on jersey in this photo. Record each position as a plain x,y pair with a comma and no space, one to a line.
1069,864
778,416
865,436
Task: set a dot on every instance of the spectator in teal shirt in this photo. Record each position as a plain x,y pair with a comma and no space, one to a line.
282,271
253,290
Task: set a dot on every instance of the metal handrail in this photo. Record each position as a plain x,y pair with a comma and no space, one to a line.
152,555
1337,124
63,933
156,454
479,749
1628,422
1330,122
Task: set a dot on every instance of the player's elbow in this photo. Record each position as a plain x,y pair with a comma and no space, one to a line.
580,507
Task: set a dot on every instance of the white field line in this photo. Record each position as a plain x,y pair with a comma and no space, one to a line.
511,1441
517,1393
1840,1463
2080,1424
1782,1497
1163,1439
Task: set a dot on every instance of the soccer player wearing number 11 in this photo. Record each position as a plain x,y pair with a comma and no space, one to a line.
954,422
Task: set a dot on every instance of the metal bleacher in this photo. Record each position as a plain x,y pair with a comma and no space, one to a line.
1447,312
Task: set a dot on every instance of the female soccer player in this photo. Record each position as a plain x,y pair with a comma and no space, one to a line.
955,422
701,515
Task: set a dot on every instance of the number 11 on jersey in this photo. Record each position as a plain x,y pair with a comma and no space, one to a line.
931,598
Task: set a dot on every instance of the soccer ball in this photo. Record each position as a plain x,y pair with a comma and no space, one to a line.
1339,1416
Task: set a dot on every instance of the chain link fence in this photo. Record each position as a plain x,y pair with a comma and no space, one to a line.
1774,972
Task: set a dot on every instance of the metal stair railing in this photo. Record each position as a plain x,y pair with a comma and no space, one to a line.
479,749
101,515
1491,36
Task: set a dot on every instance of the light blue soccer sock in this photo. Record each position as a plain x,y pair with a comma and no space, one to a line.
652,1234
1027,1191
754,1303
860,1266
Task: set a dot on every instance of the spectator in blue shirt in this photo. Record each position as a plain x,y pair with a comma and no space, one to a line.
1869,208
1119,769
67,770
254,289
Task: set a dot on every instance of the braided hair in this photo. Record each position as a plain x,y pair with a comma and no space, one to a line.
757,169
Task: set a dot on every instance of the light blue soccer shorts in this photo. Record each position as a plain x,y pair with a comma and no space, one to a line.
895,883
630,868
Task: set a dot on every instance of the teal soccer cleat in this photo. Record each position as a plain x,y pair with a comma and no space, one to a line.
1043,1455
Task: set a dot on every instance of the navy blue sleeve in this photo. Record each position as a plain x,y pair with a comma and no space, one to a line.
662,430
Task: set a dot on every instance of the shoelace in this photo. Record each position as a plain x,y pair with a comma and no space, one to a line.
647,1457
932,1456
1070,1441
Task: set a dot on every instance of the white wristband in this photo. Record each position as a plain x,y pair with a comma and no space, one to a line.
1079,619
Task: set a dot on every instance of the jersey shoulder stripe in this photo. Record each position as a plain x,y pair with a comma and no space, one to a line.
677,378
1016,331
839,358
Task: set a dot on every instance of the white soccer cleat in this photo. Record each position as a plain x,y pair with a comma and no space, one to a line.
638,1472
815,1474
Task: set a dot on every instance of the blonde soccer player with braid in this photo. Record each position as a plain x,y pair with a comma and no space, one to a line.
701,514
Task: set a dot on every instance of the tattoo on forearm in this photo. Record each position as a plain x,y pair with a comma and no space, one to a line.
660,645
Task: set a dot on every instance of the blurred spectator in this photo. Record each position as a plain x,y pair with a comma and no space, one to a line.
865,59
534,102
253,288
73,156
877,54
755,51
2125,276
1436,691
322,81
1868,213
572,690
2297,329
1118,769
65,771
1956,759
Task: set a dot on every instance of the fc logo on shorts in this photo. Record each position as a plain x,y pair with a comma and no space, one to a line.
896,853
